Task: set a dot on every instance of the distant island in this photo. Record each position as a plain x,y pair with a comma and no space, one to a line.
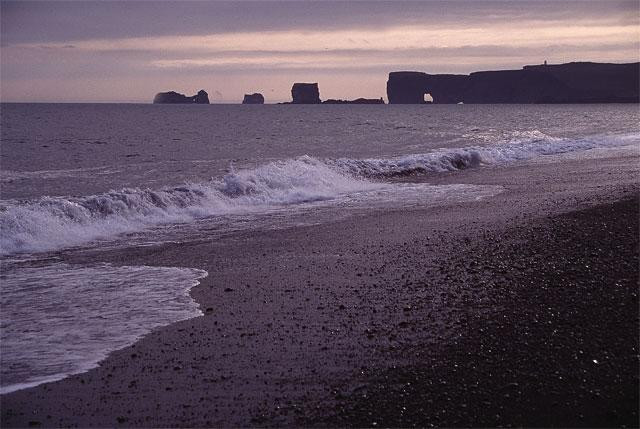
255,98
580,82
309,93
173,97
356,101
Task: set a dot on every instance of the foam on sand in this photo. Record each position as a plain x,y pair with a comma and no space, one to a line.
89,312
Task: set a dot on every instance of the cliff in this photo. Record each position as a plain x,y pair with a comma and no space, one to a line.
562,83
255,98
173,97
305,93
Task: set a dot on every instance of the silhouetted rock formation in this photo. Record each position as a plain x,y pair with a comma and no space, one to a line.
305,93
173,97
255,98
562,83
356,101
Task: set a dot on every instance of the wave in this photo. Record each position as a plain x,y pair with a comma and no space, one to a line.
51,223
522,147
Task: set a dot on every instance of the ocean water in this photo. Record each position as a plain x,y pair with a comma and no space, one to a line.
76,177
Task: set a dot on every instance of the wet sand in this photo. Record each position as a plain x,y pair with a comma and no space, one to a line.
483,313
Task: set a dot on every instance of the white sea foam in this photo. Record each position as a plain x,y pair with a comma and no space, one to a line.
89,311
54,222
9,176
51,223
521,146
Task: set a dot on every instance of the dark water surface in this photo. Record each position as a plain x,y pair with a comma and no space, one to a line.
80,149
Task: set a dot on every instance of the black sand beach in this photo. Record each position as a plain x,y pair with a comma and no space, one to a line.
559,348
518,310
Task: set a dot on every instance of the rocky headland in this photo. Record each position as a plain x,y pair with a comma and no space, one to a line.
173,97
579,82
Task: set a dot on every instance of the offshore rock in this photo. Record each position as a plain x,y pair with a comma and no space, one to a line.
173,97
562,83
305,93
255,98
356,101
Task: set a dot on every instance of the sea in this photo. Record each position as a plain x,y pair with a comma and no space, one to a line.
93,177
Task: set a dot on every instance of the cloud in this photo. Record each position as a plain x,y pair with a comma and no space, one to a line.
384,49
389,39
59,21
356,58
141,47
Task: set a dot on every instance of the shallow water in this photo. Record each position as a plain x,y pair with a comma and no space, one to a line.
61,319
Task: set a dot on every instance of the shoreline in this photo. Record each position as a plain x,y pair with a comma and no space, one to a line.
296,312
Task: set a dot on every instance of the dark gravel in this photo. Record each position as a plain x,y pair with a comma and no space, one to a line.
556,344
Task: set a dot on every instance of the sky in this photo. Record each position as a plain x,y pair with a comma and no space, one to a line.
111,51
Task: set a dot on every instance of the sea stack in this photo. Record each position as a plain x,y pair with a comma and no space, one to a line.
173,97
255,98
305,93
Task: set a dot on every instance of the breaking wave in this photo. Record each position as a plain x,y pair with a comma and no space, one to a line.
525,146
51,223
